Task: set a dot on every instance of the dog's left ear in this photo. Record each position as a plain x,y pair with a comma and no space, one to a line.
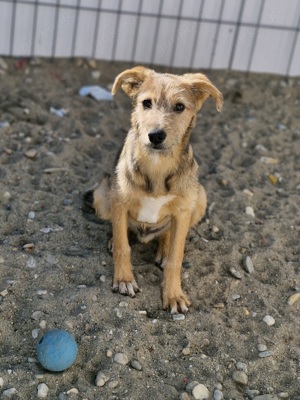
203,88
130,80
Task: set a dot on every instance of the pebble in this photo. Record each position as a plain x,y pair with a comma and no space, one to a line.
269,320
136,365
73,391
31,263
248,192
241,366
4,293
1,260
184,396
252,393
96,74
101,379
178,317
102,278
190,386
250,211
31,215
36,315
283,395
186,265
1,382
67,202
200,392
186,351
9,393
92,63
240,377
235,296
218,395
121,358
264,354
42,391
35,333
236,274
28,247
262,347
269,160
123,304
31,154
42,324
248,265
3,64
113,384
109,353
293,299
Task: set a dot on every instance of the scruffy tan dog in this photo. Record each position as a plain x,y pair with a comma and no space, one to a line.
155,190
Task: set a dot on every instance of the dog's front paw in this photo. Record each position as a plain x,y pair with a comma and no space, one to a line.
126,288
176,301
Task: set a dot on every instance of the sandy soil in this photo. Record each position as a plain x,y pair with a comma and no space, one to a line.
249,156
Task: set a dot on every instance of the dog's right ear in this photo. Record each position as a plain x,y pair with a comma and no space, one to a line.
130,80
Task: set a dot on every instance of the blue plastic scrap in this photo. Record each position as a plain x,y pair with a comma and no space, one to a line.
97,92
60,112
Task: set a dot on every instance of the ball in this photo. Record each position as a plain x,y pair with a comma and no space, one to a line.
56,350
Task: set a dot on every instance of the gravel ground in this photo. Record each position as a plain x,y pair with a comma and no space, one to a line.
241,337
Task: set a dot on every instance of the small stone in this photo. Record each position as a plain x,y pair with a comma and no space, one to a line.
123,304
250,211
262,347
264,354
241,366
269,160
1,260
136,365
31,263
67,202
236,274
31,154
35,333
121,358
42,390
293,299
235,296
246,312
113,384
28,247
42,324
3,64
218,395
283,395
96,74
273,179
186,265
186,351
4,293
184,396
240,377
190,386
9,393
200,392
101,379
1,382
73,391
248,192
92,63
102,278
31,215
109,353
36,315
42,292
252,393
248,265
178,317
215,229
269,320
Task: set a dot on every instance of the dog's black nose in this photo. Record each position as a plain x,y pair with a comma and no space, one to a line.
157,136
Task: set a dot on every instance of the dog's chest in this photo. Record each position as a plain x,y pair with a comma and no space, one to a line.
150,208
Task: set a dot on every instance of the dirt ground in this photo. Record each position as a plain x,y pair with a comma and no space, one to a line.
56,271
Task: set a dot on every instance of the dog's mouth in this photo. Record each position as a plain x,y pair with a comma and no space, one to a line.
157,147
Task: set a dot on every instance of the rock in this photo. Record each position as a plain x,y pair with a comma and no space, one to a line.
123,304
31,263
73,391
190,386
184,396
283,395
178,317
136,365
269,160
113,384
218,395
264,354
262,347
248,265
250,211
241,366
269,320
240,377
96,74
92,63
200,392
101,379
186,351
121,358
236,274
31,154
31,215
42,391
109,353
102,278
9,393
1,382
252,393
293,299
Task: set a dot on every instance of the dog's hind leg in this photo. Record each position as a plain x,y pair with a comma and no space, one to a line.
99,199
163,249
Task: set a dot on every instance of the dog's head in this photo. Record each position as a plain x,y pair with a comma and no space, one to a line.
165,105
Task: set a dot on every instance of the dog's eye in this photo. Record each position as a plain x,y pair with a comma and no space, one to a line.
179,107
147,103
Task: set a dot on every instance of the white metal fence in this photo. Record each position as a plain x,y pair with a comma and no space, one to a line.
247,35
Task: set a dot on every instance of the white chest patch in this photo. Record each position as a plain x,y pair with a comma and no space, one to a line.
150,208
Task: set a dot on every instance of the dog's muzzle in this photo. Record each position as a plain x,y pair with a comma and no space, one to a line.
157,137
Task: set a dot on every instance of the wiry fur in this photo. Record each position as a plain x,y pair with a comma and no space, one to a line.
146,174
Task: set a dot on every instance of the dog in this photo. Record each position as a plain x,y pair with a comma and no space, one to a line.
154,190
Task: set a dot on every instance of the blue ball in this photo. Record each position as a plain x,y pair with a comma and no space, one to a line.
56,350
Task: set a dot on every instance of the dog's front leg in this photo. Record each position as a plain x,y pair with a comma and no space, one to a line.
173,296
123,280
